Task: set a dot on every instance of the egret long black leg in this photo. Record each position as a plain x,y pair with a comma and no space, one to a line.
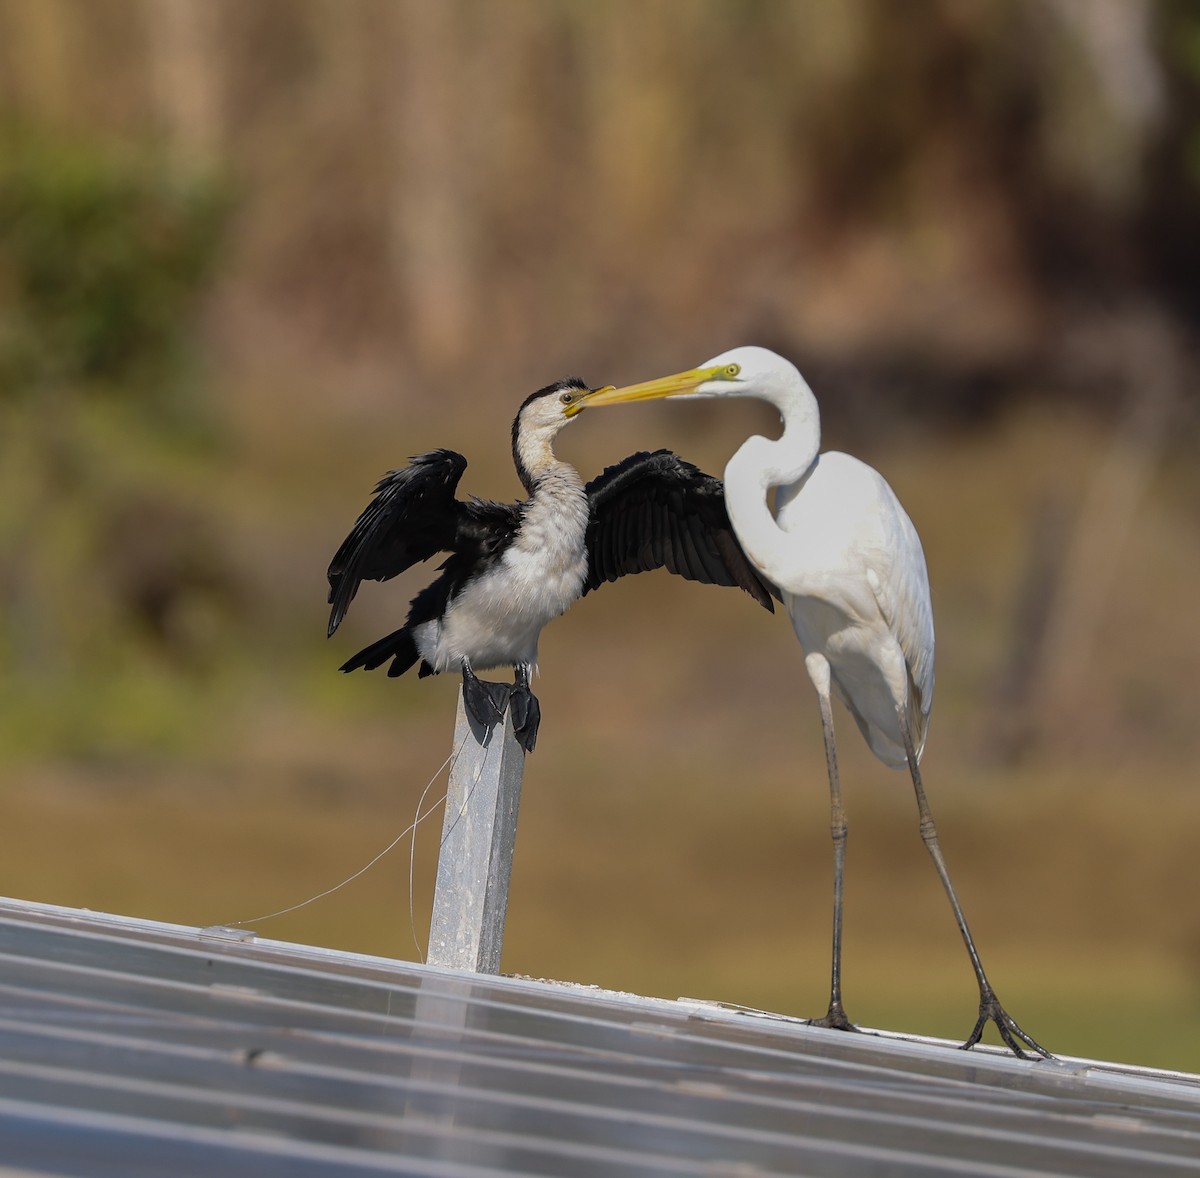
990,1009
818,671
526,711
835,1016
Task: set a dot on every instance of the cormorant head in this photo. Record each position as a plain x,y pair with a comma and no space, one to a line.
541,416
550,408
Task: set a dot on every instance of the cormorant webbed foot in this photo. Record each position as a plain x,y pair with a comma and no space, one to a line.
990,1010
485,701
526,715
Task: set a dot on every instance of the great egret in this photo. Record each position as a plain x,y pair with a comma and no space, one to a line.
853,579
515,566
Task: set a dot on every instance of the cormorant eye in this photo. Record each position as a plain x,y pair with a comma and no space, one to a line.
566,398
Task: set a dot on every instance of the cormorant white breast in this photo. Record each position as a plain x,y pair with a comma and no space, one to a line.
514,566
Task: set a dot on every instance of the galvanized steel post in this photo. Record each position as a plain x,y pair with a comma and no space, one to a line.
470,899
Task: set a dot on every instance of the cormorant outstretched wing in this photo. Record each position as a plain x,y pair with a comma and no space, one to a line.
653,511
413,516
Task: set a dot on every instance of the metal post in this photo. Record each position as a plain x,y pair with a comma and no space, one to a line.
470,900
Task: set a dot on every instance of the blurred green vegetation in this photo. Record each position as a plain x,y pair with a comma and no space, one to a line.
104,254
254,254
116,581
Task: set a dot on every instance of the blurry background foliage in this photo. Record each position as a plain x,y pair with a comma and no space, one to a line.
253,253
104,255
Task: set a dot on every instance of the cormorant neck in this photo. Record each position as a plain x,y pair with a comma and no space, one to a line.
533,456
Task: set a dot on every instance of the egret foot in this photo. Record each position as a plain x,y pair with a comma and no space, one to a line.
834,1018
990,1010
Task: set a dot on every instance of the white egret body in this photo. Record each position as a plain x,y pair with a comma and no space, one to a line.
852,575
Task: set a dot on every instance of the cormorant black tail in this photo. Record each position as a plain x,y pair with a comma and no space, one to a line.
397,646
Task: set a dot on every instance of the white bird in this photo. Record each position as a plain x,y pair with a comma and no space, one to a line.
849,564
513,567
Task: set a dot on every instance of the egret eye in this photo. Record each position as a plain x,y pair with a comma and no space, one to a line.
731,370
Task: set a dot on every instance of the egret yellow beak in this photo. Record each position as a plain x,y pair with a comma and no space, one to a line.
664,386
583,400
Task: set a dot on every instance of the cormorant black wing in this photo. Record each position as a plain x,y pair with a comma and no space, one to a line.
413,516
653,511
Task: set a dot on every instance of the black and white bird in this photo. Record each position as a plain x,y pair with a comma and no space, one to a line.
514,566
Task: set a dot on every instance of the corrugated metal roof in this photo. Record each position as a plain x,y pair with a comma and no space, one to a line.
131,1048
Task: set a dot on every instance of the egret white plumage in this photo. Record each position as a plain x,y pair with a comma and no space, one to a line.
852,573
514,566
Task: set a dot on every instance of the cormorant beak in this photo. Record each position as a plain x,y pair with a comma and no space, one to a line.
681,384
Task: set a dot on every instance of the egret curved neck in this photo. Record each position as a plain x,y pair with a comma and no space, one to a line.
761,464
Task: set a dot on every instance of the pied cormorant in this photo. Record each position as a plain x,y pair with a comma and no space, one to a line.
514,566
